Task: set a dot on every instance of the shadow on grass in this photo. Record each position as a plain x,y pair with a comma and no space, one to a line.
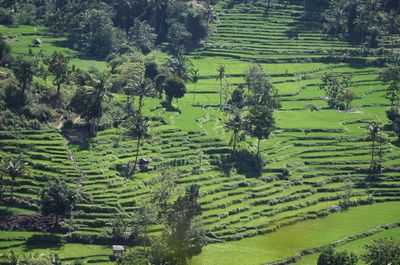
243,161
169,107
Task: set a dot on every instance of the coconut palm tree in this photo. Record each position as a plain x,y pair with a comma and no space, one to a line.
137,128
373,130
15,168
142,87
195,79
237,123
221,75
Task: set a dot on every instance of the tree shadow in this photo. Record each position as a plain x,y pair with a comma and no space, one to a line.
243,162
169,107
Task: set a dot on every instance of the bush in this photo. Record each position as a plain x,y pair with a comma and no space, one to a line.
44,239
39,112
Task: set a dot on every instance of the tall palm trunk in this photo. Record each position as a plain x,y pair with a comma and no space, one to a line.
373,153
137,153
220,92
258,146
194,93
140,104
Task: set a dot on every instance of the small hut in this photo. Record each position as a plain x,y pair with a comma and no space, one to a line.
118,250
144,164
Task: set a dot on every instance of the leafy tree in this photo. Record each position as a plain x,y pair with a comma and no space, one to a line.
15,168
262,123
5,50
237,123
348,96
58,67
180,66
330,257
336,17
195,79
391,76
345,201
94,33
142,36
334,85
261,91
392,22
382,251
137,128
185,237
237,100
163,189
174,88
24,70
394,115
369,21
58,199
143,217
221,76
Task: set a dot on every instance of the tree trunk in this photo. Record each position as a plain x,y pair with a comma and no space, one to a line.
12,188
373,153
140,104
58,91
234,143
220,93
194,93
258,146
137,153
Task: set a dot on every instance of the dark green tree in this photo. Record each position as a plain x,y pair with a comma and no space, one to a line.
185,237
373,131
14,168
261,123
237,100
174,88
382,251
58,66
391,76
142,36
330,257
24,70
58,199
334,86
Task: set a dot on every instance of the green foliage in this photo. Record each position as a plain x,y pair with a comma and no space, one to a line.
382,251
58,66
24,70
94,34
330,257
141,35
58,199
174,88
391,76
185,237
262,123
334,86
14,168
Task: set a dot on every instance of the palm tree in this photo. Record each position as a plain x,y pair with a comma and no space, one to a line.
373,130
142,87
180,66
237,123
100,93
220,77
137,129
14,167
195,79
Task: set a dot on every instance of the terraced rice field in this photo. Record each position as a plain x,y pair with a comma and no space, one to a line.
320,148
